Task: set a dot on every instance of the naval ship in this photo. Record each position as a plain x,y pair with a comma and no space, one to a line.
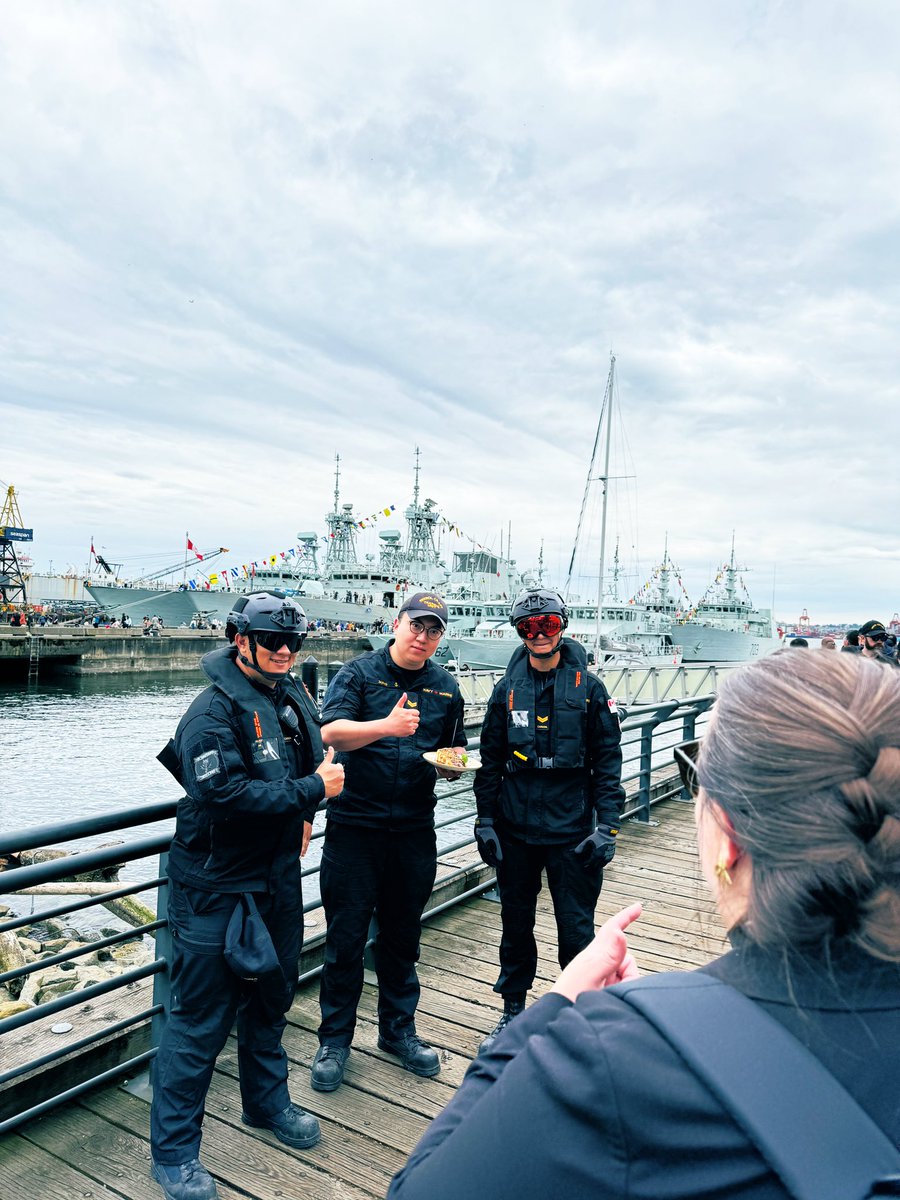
347,588
725,627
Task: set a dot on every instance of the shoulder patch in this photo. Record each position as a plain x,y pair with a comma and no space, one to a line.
207,765
612,705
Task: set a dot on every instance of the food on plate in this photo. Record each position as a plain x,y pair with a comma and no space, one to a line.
455,760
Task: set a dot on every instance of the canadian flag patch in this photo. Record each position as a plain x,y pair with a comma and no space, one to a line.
613,705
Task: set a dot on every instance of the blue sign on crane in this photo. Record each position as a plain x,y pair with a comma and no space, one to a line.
12,534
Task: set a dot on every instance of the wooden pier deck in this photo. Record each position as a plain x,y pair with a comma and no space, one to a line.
97,1147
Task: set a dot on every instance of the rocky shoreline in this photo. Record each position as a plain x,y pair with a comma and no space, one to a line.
45,938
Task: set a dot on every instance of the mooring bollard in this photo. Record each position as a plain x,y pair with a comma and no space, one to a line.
309,673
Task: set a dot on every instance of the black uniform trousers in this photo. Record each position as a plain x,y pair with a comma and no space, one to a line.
368,871
574,890
206,998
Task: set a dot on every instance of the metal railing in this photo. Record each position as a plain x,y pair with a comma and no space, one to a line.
649,733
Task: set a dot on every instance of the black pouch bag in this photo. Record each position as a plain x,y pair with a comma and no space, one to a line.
249,950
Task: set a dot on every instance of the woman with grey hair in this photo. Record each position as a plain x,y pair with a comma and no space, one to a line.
798,820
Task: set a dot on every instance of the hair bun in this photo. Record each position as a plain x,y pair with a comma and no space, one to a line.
884,774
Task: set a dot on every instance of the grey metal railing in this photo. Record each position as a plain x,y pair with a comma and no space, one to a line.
649,732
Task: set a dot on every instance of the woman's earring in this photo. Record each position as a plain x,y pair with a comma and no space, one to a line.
722,873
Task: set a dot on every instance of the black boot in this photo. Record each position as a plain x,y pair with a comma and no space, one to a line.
512,1006
417,1056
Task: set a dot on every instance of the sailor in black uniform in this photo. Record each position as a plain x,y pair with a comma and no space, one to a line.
248,752
549,792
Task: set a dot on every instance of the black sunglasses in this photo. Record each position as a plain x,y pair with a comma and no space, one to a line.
269,640
686,758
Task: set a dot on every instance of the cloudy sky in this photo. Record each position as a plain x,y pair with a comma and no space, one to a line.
239,239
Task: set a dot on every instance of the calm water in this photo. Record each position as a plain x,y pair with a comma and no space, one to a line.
88,745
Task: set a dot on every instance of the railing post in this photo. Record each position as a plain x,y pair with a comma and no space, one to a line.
162,992
689,725
646,770
698,706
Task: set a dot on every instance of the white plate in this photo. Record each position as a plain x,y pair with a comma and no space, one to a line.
472,765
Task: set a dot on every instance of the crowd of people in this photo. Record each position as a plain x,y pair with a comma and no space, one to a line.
600,1088
871,640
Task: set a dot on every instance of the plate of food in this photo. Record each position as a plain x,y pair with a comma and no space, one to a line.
449,759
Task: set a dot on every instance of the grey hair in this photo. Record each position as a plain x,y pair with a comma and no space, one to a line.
803,758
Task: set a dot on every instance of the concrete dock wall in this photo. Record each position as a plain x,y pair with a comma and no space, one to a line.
81,651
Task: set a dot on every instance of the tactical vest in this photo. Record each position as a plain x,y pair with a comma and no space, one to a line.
261,730
568,720
265,748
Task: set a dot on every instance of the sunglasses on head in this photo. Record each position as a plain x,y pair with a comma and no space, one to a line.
549,624
686,757
271,641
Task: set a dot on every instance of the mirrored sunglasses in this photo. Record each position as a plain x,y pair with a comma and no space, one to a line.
686,758
549,624
272,641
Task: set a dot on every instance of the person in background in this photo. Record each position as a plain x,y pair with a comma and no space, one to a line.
383,710
549,792
828,643
798,827
872,637
799,643
851,642
249,755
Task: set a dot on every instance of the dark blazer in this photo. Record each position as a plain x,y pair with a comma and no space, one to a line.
587,1100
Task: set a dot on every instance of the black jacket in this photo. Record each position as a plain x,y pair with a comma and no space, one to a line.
388,784
532,719
589,1102
240,826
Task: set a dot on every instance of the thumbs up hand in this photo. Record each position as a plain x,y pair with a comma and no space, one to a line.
401,721
332,774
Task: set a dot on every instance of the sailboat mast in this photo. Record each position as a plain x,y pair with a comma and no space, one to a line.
604,478
584,498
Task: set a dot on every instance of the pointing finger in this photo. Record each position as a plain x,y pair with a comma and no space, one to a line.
623,918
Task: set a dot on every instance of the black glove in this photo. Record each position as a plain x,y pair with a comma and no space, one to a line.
597,849
488,842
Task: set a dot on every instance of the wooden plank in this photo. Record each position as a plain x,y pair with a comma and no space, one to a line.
368,1066
243,1161
390,1118
28,1172
90,1019
99,1146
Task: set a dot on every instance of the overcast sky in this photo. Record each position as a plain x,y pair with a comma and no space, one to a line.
237,239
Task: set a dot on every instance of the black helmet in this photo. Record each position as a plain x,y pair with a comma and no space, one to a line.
535,603
265,612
